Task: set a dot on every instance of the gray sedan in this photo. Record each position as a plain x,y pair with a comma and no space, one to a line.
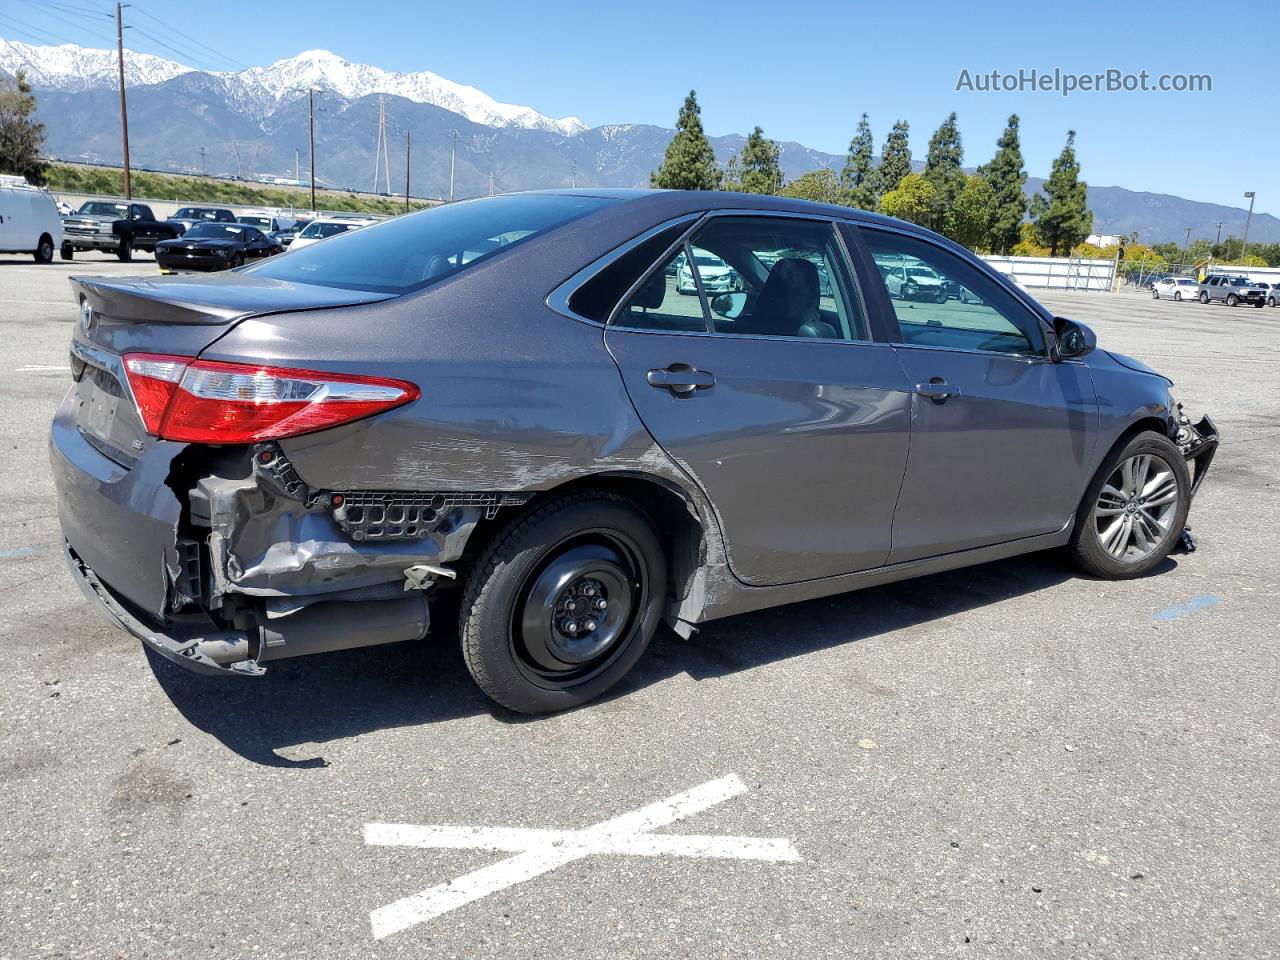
503,407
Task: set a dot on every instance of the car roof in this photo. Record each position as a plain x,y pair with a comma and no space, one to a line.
689,201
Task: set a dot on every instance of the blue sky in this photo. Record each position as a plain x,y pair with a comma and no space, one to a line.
803,71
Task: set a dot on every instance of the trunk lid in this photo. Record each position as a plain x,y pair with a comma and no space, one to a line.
166,315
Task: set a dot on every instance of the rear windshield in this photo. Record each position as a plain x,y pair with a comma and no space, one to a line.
413,250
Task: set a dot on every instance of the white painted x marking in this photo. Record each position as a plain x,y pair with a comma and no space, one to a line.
541,851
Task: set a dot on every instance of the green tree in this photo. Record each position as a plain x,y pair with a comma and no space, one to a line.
913,200
760,170
1007,176
689,163
1064,219
732,174
895,159
21,137
858,179
820,186
973,213
942,170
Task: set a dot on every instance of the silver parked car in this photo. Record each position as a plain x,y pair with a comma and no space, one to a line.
1232,290
1175,288
507,402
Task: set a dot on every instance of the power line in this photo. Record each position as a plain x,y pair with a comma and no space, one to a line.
191,39
78,25
186,55
50,36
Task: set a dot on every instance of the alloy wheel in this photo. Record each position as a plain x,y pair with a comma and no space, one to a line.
1136,507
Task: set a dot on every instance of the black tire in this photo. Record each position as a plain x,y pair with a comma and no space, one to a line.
44,250
237,261
1155,294
510,636
1259,304
1232,299
1204,297
1177,295
1271,301
125,250
1086,546
67,252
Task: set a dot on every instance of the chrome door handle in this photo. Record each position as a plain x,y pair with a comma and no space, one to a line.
937,389
681,379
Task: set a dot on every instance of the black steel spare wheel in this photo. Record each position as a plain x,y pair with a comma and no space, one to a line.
563,602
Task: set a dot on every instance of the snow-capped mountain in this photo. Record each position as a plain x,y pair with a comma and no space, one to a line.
70,68
260,91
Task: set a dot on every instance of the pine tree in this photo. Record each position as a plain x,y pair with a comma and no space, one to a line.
21,137
689,163
1064,219
858,179
942,170
895,159
1007,177
760,170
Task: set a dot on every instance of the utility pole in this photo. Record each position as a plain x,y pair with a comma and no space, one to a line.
202,168
311,139
1245,247
407,148
1187,245
573,181
454,136
124,110
1219,240
297,166
491,183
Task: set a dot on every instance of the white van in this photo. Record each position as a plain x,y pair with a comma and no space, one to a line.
29,221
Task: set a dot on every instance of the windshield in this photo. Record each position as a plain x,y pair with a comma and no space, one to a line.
263,222
921,272
318,231
214,231
98,208
709,260
416,249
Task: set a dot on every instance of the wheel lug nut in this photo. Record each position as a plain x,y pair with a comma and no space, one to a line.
588,625
602,604
589,589
569,627
571,605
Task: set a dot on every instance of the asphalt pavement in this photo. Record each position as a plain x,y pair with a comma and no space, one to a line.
1006,761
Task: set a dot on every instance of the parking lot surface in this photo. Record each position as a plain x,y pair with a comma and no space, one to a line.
1005,761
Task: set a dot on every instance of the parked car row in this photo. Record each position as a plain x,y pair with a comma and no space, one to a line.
195,238
1230,289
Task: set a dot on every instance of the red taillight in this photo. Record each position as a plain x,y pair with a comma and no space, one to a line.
206,401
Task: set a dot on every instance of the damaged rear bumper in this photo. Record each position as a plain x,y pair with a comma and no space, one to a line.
183,647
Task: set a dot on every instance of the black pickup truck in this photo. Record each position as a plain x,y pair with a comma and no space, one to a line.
118,228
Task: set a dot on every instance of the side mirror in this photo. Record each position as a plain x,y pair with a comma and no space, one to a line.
1071,340
729,305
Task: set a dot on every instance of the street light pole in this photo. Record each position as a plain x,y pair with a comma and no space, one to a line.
1244,248
407,148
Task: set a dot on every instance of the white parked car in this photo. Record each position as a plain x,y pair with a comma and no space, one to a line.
1175,288
323,228
717,276
29,221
